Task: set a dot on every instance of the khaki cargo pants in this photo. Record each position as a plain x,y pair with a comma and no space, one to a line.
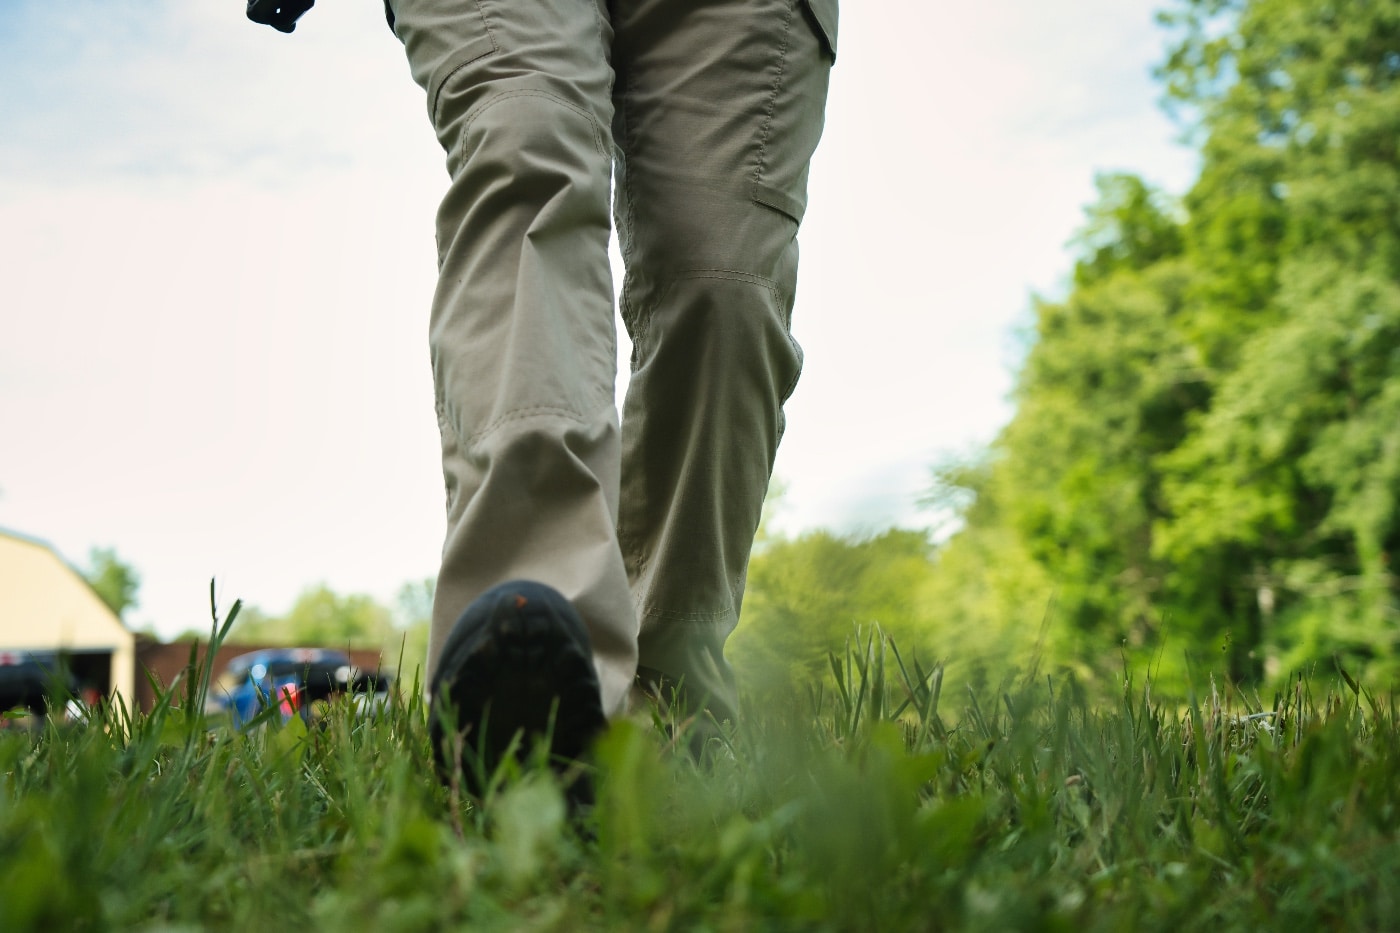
697,120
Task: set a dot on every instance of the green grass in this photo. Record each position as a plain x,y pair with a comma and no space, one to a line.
873,803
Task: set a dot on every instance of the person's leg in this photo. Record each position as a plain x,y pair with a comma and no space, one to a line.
522,337
719,106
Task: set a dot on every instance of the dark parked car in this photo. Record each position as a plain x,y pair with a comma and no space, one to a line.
34,680
299,681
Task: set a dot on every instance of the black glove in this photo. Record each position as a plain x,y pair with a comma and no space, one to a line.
279,14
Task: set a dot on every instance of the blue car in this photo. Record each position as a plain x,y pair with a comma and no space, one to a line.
298,681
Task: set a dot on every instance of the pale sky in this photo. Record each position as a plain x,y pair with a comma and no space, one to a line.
216,259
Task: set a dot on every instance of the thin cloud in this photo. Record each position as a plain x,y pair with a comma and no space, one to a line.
169,90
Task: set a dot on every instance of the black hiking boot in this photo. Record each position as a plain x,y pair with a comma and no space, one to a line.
516,668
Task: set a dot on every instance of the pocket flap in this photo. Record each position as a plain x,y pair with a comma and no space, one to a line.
825,14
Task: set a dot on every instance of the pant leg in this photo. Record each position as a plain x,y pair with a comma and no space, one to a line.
719,107
522,337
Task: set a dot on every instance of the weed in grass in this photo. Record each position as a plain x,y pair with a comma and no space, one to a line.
872,802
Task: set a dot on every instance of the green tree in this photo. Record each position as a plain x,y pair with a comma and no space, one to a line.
990,599
116,582
807,595
1288,489
1282,501
1131,227
408,647
1106,389
320,617
1204,446
1070,490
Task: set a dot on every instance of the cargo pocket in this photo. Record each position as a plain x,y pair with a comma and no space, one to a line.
824,15
797,110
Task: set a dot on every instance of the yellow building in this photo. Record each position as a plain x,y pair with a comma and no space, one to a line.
47,606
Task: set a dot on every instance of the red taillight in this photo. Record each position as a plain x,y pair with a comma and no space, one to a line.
289,698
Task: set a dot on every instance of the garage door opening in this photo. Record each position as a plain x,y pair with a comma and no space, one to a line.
39,682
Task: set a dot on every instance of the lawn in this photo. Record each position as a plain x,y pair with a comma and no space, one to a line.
872,802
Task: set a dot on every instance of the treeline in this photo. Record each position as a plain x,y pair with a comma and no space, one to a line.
1204,463
321,617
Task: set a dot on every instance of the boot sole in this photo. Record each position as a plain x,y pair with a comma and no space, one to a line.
524,672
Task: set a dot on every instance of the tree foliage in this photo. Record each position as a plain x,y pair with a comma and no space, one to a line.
1205,454
323,618
320,617
116,582
413,604
807,595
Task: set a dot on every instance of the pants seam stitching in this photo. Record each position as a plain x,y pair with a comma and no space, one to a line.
773,95
520,414
495,47
674,615
544,95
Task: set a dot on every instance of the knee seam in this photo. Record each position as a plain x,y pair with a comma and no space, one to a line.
524,414
723,617
597,132
639,320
